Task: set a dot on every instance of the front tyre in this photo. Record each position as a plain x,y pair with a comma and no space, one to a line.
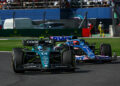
17,60
68,58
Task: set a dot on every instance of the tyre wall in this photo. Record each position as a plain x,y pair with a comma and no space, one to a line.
40,32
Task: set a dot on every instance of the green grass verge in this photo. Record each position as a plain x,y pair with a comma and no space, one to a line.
7,45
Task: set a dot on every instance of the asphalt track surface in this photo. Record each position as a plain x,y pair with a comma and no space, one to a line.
87,75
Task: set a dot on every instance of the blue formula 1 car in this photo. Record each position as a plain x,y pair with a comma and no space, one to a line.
84,52
42,56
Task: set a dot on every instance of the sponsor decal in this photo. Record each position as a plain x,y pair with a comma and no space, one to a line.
32,41
60,38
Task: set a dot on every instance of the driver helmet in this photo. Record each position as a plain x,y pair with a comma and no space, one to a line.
75,42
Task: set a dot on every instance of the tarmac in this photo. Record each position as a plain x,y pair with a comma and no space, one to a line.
107,74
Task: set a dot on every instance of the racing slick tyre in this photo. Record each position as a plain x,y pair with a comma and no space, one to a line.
105,49
67,58
17,60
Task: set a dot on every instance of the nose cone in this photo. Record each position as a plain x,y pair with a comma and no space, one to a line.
45,59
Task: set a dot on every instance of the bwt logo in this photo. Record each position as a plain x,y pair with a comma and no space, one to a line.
30,41
60,38
44,53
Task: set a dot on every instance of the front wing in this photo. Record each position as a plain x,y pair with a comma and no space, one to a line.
38,67
97,58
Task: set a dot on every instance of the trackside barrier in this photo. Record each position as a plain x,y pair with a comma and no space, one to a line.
40,32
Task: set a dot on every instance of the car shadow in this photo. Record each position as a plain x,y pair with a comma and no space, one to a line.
98,63
54,73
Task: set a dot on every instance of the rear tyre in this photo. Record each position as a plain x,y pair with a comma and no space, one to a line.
17,60
105,49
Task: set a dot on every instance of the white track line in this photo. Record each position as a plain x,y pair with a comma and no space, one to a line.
3,39
5,51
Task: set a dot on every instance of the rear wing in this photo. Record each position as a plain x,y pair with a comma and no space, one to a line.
34,42
60,38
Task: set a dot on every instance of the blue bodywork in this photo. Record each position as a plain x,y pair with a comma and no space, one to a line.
90,55
83,46
60,38
89,52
